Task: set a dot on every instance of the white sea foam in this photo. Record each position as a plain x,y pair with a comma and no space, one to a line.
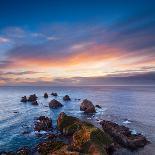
126,122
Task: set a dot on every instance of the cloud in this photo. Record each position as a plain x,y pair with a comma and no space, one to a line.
3,40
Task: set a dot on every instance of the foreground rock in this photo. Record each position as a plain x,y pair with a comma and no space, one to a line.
54,148
86,138
54,94
43,123
66,98
32,98
87,106
45,95
55,104
24,99
123,135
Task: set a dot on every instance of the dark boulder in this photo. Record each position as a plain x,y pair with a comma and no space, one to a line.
98,106
43,123
54,104
45,95
87,106
66,98
54,94
24,99
123,136
32,98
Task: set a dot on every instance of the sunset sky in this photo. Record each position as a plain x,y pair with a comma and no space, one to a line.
77,42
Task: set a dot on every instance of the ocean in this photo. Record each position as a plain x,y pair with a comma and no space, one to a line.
132,106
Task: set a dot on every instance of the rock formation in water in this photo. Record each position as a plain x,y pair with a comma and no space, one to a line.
43,123
123,136
54,94
87,106
45,95
55,104
66,98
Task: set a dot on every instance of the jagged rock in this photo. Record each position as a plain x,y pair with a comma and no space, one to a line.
123,135
54,104
32,98
23,151
24,99
45,95
85,136
34,103
66,98
43,123
98,106
54,94
87,106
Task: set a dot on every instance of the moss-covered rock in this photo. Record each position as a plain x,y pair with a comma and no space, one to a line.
64,121
86,138
49,147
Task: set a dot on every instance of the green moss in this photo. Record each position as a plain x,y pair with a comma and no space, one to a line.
88,125
85,148
71,129
99,137
67,121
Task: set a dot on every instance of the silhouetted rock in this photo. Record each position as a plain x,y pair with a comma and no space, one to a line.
123,135
54,94
23,151
45,95
43,123
32,98
98,106
87,106
24,99
55,104
34,103
66,98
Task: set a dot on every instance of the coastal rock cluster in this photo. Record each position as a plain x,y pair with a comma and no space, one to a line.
72,136
32,99
123,135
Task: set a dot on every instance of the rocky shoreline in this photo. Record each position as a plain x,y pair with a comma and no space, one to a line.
76,137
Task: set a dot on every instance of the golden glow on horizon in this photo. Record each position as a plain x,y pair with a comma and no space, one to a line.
97,60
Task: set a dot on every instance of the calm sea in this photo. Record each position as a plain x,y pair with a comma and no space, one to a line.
133,106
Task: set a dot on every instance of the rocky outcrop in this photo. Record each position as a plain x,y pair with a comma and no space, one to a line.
55,104
43,123
45,95
66,98
54,94
24,99
86,138
123,136
32,98
87,106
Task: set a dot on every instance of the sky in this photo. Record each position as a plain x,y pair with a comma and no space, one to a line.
77,42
